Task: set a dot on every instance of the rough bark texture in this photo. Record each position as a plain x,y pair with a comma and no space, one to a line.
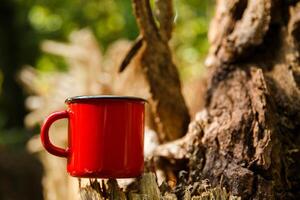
247,138
167,102
251,135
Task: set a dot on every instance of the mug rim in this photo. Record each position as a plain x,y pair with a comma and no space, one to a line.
83,98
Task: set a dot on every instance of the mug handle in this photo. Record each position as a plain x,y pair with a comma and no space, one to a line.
57,151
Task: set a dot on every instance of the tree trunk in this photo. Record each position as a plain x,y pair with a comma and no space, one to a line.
251,133
247,137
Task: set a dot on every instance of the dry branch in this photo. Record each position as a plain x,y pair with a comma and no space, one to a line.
167,103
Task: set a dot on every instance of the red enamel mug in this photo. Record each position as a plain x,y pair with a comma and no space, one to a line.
106,136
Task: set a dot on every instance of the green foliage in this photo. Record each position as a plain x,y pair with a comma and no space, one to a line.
56,19
50,63
190,35
113,19
14,138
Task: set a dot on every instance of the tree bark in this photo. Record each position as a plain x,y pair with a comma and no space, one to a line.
251,133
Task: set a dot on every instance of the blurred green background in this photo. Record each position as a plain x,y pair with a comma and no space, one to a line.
24,24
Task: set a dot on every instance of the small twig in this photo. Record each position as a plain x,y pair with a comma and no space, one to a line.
131,53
